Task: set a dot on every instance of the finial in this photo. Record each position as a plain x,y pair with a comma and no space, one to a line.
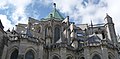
51,15
54,5
91,24
68,17
13,28
107,16
106,13
8,30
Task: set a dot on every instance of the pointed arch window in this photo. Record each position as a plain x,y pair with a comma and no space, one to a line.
14,54
109,57
96,57
46,30
55,57
29,55
69,57
56,33
103,34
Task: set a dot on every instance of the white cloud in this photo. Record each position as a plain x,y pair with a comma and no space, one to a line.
3,4
95,12
74,8
19,15
6,23
20,3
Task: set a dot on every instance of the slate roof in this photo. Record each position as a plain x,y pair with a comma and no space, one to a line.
94,39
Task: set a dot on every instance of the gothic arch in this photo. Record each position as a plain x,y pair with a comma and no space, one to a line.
46,31
30,51
30,55
110,55
82,58
69,56
57,33
14,54
55,56
96,56
12,51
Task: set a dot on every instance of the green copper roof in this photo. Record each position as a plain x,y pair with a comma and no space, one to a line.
55,14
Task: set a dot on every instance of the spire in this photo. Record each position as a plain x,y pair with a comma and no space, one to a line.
66,19
108,19
107,16
91,26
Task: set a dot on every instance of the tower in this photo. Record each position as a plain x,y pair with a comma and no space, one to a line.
110,29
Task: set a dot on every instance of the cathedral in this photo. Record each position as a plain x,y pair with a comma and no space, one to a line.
56,37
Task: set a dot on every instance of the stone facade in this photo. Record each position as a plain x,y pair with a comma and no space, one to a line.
55,37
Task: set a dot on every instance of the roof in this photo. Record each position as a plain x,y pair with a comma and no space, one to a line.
54,14
94,39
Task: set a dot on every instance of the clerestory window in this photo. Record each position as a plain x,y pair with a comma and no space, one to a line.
56,34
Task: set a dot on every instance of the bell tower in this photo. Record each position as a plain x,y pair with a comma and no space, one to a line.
110,29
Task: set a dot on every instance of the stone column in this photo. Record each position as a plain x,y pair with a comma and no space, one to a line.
86,53
116,54
104,52
63,53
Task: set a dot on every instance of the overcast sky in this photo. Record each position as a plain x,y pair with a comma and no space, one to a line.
13,12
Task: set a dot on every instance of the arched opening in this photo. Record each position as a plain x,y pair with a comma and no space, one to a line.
29,55
46,30
55,57
56,34
96,57
103,34
69,57
82,58
109,57
14,54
